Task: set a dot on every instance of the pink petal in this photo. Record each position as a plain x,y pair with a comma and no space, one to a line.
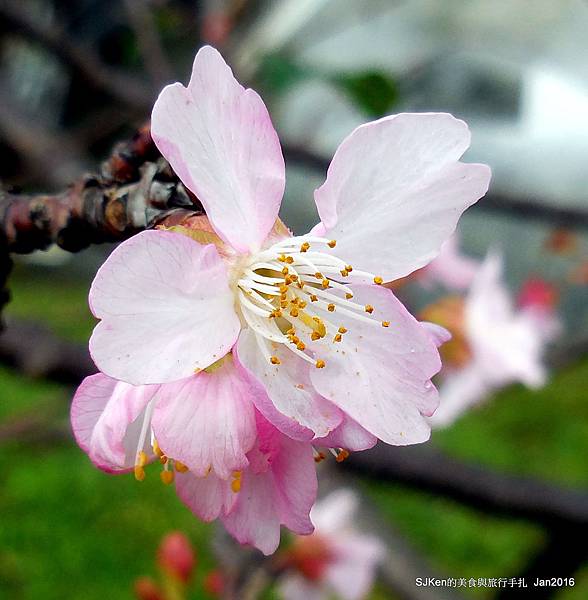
254,519
207,497
166,309
281,493
438,334
219,139
380,376
349,435
507,345
353,575
300,409
207,420
106,417
395,191
296,484
335,513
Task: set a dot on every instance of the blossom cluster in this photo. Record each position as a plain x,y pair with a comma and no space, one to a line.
496,340
236,354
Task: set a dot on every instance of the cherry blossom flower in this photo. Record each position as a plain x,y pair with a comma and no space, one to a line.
493,343
229,348
336,560
273,484
324,342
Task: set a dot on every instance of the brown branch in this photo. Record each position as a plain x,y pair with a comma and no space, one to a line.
428,469
124,87
136,190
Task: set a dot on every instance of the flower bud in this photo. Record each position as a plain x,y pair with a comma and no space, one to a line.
147,589
176,556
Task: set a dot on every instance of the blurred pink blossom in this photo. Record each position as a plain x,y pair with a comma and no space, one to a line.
451,268
494,343
337,560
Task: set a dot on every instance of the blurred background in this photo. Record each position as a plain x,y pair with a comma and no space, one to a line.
78,76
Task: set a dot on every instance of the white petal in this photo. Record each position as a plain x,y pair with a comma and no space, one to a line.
288,387
395,191
219,139
380,376
166,309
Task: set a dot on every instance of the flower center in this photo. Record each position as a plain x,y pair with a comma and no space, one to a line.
298,290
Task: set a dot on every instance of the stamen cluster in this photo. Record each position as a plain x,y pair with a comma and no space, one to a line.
288,293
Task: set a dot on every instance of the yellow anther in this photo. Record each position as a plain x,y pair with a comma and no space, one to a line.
283,303
288,279
344,272
332,243
385,323
142,459
289,260
342,455
348,295
314,323
156,449
294,339
319,275
275,360
294,300
314,336
342,329
300,345
282,258
294,277
285,271
304,247
313,298
319,457
331,307
369,308
294,312
378,280
167,477
348,268
325,283
291,331
163,459
139,473
283,288
302,304
337,337
320,364
236,483
180,467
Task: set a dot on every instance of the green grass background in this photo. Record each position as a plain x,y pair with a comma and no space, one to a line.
69,531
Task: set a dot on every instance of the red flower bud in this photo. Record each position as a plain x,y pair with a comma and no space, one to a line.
146,589
176,556
213,583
